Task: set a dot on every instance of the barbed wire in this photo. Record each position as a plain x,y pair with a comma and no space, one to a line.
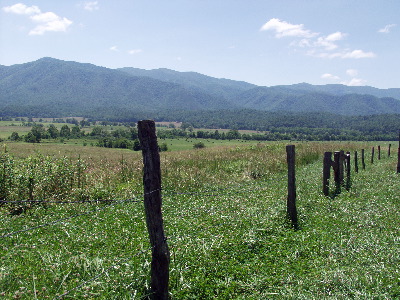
44,201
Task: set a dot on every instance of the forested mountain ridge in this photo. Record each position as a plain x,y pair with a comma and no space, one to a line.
50,87
218,87
54,88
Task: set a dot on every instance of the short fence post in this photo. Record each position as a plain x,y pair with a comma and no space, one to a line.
336,170
390,145
356,161
341,166
326,175
152,204
379,152
348,171
372,155
291,199
363,158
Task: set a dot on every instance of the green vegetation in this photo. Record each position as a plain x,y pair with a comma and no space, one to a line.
54,88
224,213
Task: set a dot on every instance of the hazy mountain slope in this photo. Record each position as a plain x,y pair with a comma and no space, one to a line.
51,87
340,90
69,87
217,87
282,98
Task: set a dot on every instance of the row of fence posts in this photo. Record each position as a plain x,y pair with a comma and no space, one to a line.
153,201
341,165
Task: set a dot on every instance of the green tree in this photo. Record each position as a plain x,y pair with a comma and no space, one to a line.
65,131
76,131
15,137
53,131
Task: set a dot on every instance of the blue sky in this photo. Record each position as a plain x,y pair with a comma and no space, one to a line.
265,42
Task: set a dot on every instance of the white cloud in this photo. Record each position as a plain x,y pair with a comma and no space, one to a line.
352,72
47,21
22,9
283,29
355,82
318,46
345,54
91,6
114,48
387,28
357,54
328,41
135,51
330,76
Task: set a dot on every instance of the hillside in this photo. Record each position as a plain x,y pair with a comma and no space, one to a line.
50,87
54,88
217,87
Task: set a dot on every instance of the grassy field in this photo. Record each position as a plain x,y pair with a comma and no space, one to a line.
224,214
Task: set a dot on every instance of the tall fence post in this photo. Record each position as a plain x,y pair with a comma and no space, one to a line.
363,158
326,175
152,204
356,161
291,199
379,152
398,156
372,155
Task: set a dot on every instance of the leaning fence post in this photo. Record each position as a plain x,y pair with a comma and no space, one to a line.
326,172
372,155
152,204
291,199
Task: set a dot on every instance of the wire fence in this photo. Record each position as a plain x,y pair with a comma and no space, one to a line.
234,189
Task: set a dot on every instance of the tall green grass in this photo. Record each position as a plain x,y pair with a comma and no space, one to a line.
225,219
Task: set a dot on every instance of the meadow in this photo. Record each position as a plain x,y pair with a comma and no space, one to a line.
224,216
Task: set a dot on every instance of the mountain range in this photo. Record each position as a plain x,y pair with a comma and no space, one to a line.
50,87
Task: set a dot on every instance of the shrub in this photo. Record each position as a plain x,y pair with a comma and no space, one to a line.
199,145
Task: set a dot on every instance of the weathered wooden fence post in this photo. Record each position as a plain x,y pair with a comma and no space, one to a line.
336,170
348,171
390,145
341,167
379,152
356,161
398,156
372,155
152,204
291,199
326,172
363,158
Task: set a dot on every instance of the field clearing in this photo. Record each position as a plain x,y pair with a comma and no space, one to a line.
6,131
224,213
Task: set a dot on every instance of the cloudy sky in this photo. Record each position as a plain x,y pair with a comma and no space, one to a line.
265,42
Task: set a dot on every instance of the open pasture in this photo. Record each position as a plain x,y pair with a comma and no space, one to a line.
224,214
